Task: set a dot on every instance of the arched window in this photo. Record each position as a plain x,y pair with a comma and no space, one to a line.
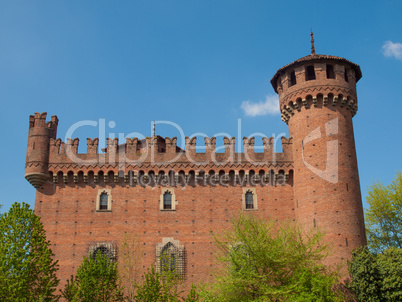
103,201
167,201
168,258
103,248
249,200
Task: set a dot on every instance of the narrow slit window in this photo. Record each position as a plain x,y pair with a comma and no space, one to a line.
310,73
292,78
104,199
167,201
249,200
346,75
330,72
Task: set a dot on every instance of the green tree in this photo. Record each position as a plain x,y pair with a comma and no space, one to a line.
130,268
70,289
192,295
267,261
376,277
158,288
165,287
96,280
27,268
384,215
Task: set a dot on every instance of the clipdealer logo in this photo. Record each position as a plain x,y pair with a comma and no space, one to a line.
331,172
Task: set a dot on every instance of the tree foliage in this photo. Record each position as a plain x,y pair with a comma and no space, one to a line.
376,277
158,288
27,268
130,268
384,216
267,261
165,287
96,280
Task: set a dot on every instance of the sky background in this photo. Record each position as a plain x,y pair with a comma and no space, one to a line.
200,64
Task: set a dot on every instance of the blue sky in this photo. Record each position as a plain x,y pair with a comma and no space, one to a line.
195,63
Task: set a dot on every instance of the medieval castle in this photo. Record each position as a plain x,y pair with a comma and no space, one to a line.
172,198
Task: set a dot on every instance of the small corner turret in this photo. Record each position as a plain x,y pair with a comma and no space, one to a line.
40,133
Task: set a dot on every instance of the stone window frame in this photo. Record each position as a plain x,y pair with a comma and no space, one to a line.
255,200
161,199
179,253
109,201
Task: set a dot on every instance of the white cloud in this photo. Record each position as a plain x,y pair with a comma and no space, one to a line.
390,49
270,106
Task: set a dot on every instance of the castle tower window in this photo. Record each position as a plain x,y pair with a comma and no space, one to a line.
310,73
170,257
292,78
249,200
346,75
104,200
167,200
330,72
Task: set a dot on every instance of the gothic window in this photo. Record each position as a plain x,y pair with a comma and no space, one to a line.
104,198
249,200
167,201
170,257
105,249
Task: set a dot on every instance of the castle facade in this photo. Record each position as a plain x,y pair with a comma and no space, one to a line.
172,198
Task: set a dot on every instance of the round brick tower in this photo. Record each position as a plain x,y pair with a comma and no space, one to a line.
40,133
318,100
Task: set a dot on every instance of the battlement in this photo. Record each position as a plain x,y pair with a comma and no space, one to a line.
161,150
